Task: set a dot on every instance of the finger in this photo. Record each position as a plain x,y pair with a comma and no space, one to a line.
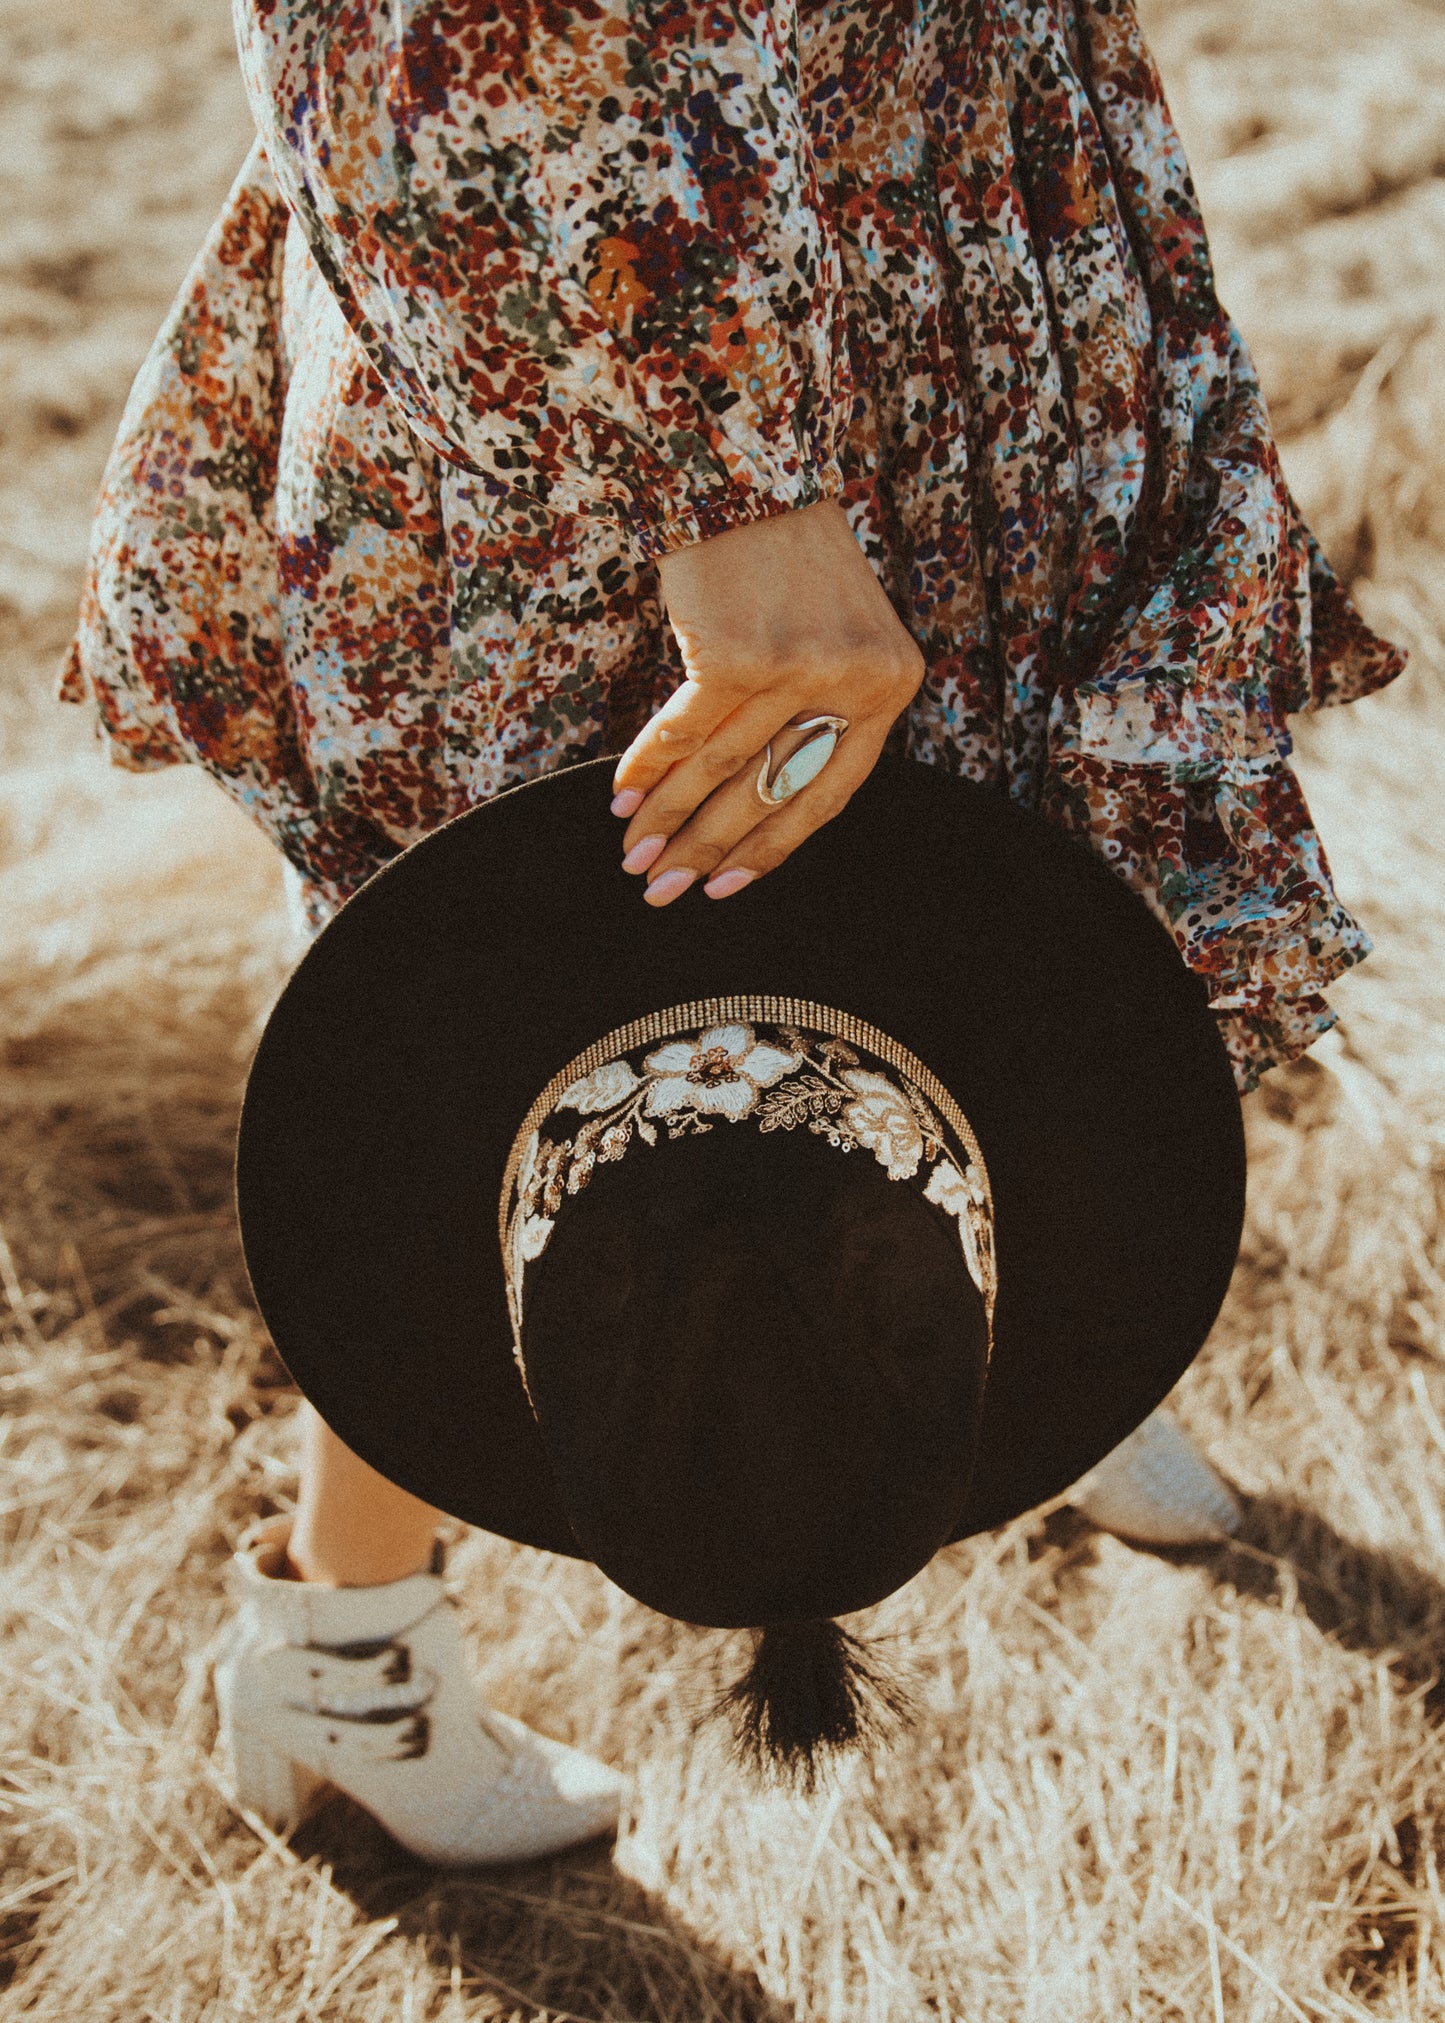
770,842
734,832
736,743
686,720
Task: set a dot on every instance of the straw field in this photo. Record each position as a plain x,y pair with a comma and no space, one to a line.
1194,1786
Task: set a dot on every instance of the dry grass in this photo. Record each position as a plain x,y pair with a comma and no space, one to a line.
1197,1787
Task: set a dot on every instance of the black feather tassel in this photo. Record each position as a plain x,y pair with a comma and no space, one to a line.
811,1693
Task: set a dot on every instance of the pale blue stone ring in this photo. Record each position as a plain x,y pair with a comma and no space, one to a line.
805,763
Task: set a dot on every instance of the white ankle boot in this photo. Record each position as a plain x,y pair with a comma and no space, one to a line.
366,1688
1157,1489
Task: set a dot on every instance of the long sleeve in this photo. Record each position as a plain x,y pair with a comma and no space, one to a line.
582,243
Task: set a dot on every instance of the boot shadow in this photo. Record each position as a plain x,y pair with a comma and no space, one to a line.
1367,1598
570,1936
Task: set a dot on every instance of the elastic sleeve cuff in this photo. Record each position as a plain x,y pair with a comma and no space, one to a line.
655,527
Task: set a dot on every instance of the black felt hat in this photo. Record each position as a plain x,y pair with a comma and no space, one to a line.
751,1375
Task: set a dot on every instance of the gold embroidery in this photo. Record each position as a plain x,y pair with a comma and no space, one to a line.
807,1075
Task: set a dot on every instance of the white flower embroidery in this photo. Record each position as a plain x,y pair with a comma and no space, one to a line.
962,1196
883,1120
533,1234
612,1083
955,1191
719,1074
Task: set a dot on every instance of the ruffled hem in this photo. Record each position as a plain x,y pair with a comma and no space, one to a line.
132,746
1195,806
1259,1041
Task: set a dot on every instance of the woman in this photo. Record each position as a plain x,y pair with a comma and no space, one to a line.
878,347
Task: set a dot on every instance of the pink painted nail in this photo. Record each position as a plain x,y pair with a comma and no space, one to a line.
668,886
727,883
627,802
642,856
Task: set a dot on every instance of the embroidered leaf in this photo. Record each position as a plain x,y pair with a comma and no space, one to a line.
547,1178
614,1142
603,1089
785,1108
688,1125
983,1242
928,1123
837,1054
646,1132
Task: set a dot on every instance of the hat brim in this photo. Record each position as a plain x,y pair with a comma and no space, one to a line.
405,1050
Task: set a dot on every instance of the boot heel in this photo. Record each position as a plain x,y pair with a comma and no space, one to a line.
268,1781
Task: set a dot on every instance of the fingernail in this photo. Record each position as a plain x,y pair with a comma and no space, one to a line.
668,886
728,882
627,802
644,854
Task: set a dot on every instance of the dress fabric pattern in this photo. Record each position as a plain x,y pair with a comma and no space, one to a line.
514,296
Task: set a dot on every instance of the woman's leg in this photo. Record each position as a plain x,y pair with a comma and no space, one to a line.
353,1528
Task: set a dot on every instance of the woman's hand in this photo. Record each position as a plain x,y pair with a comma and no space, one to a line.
778,619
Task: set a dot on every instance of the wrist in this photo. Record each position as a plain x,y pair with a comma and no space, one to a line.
770,531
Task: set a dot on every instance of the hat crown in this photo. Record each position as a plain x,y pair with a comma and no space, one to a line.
750,1256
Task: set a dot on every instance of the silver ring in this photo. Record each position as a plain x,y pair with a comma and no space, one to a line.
806,762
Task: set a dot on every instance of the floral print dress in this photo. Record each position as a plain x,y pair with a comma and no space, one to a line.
514,296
